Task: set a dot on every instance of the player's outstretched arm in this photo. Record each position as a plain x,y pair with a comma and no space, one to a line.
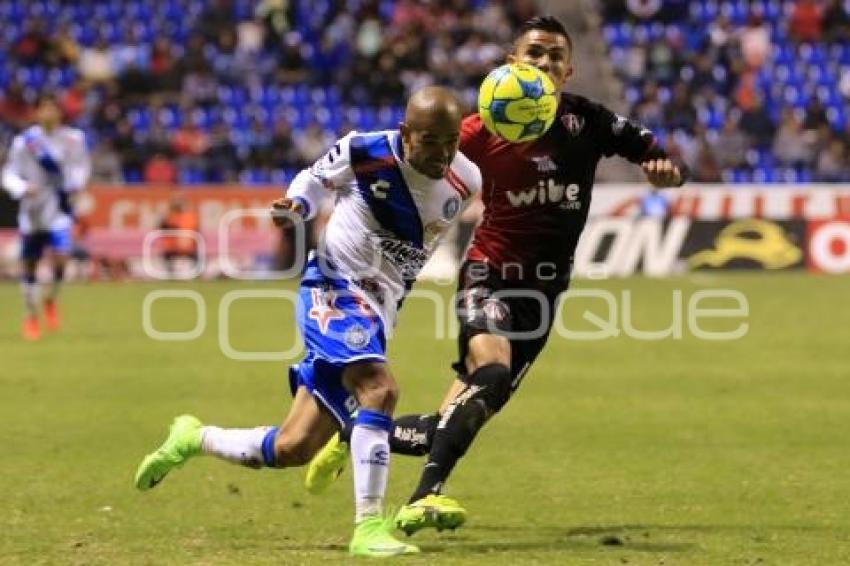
313,185
617,135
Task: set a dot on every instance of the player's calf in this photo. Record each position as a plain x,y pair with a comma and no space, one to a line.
489,388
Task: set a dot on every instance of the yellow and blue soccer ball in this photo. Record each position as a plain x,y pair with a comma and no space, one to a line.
517,102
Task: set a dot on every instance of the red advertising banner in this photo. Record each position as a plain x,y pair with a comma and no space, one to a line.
143,207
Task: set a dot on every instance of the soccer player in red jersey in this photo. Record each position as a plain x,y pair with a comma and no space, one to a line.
536,198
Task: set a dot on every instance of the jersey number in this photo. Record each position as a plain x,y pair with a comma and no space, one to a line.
380,188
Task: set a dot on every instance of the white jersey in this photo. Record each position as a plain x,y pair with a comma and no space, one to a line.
54,164
387,218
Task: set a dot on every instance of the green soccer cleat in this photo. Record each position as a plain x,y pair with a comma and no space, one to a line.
434,511
183,442
373,538
327,465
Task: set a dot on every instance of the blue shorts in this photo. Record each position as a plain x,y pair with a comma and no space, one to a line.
32,246
338,329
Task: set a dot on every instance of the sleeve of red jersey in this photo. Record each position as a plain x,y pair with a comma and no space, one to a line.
617,135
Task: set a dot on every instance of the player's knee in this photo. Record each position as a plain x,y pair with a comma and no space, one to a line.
378,395
292,453
373,386
495,383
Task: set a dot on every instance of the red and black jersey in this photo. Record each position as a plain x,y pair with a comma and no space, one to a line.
537,194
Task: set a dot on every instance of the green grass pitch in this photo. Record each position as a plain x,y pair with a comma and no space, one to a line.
617,451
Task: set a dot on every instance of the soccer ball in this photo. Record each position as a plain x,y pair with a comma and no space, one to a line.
517,102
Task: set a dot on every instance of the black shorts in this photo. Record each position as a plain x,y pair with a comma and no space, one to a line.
487,304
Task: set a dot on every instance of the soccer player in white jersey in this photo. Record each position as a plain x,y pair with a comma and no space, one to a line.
47,163
396,193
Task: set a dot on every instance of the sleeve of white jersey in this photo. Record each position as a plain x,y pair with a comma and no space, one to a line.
332,171
78,164
13,181
471,175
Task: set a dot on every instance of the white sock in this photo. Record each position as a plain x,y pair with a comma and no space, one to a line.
238,445
30,291
370,459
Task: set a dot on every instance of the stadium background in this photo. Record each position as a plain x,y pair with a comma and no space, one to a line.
670,451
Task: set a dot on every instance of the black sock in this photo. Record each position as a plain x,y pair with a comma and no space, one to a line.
411,435
487,392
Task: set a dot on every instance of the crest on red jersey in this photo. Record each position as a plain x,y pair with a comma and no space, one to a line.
574,124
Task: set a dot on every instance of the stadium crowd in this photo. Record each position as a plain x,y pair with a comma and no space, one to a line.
237,90
744,90
252,90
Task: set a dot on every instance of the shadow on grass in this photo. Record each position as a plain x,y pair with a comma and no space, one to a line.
626,537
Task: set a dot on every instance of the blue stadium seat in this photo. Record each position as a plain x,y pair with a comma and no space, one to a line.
764,175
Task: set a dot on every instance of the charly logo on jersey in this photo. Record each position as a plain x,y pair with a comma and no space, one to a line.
572,123
356,337
451,207
548,191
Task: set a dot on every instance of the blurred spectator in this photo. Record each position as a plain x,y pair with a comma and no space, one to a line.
222,160
73,101
477,57
276,17
662,60
755,42
634,62
216,18
721,33
815,115
805,24
64,49
732,144
160,170
747,92
292,68
643,9
680,113
704,76
162,65
790,146
32,46
200,88
369,37
832,165
190,140
649,110
756,123
96,63
312,144
106,163
706,168
249,37
128,147
836,22
283,153
15,109
181,245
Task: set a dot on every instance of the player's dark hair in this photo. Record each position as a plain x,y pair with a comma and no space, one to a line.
48,96
549,24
